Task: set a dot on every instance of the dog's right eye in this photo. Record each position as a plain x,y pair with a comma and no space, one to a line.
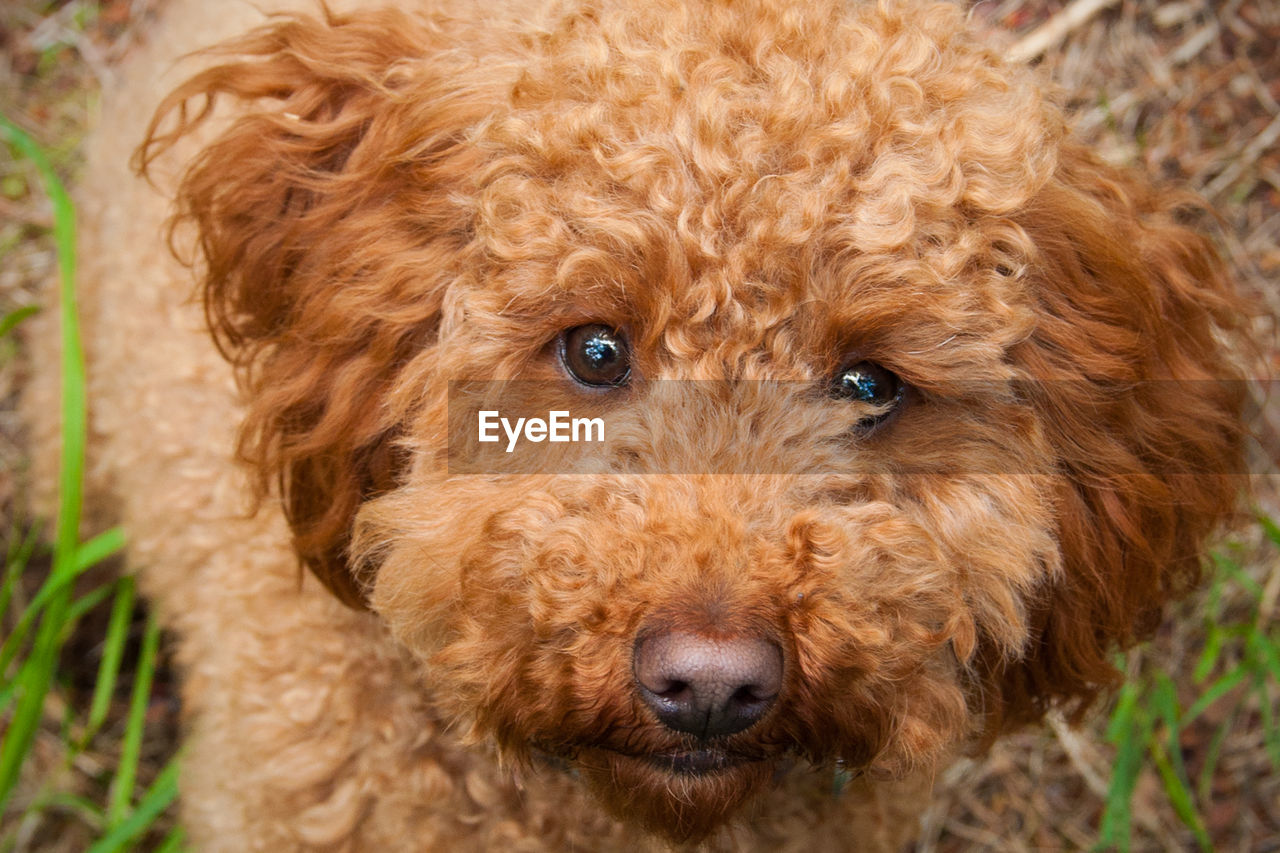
869,383
596,355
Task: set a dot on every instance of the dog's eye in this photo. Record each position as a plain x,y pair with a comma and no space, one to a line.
596,355
869,383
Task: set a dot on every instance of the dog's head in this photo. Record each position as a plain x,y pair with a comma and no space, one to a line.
961,373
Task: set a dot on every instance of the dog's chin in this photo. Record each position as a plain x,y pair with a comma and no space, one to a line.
681,796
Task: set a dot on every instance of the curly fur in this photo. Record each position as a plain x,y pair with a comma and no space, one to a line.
755,191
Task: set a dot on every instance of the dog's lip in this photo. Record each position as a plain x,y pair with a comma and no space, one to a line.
703,761
698,762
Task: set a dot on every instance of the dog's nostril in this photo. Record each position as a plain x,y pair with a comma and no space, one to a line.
708,687
676,689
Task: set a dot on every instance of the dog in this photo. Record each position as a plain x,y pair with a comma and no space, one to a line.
913,412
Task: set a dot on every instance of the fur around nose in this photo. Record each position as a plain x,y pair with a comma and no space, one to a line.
708,687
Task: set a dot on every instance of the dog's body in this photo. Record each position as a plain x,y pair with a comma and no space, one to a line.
751,194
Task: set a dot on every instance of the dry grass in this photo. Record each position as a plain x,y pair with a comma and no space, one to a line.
1188,89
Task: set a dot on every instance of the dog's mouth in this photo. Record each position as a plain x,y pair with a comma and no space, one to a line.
681,794
700,762
681,791
703,761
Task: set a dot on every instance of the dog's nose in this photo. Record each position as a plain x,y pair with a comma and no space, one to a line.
708,687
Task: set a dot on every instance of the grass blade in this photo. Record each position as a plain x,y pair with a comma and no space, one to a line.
11,320
1176,790
1204,786
1216,691
161,794
37,672
174,842
131,745
1265,651
96,549
1271,528
1270,729
1128,730
89,812
20,550
84,604
1214,636
99,548
1168,758
1232,570
1164,700
112,652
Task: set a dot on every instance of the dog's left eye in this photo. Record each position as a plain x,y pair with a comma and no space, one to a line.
596,355
869,383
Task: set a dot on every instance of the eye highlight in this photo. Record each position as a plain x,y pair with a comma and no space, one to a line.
596,355
868,383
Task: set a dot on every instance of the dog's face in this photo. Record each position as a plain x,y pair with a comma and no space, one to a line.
900,376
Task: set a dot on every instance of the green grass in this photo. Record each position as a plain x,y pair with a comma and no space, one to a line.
30,654
1237,674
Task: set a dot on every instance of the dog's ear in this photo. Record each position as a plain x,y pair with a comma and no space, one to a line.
325,230
1139,393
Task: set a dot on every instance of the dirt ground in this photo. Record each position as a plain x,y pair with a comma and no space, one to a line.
1189,90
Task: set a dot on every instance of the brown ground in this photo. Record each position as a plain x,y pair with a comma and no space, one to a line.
1190,89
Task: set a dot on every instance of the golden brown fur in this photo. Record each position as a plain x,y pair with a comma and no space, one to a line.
755,191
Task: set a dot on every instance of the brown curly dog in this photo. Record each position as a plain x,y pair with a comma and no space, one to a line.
908,404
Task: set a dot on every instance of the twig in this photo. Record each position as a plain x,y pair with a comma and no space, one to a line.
1191,48
1075,747
1270,592
1056,29
25,214
934,817
1262,142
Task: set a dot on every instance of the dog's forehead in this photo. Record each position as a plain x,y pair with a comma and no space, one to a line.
762,152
